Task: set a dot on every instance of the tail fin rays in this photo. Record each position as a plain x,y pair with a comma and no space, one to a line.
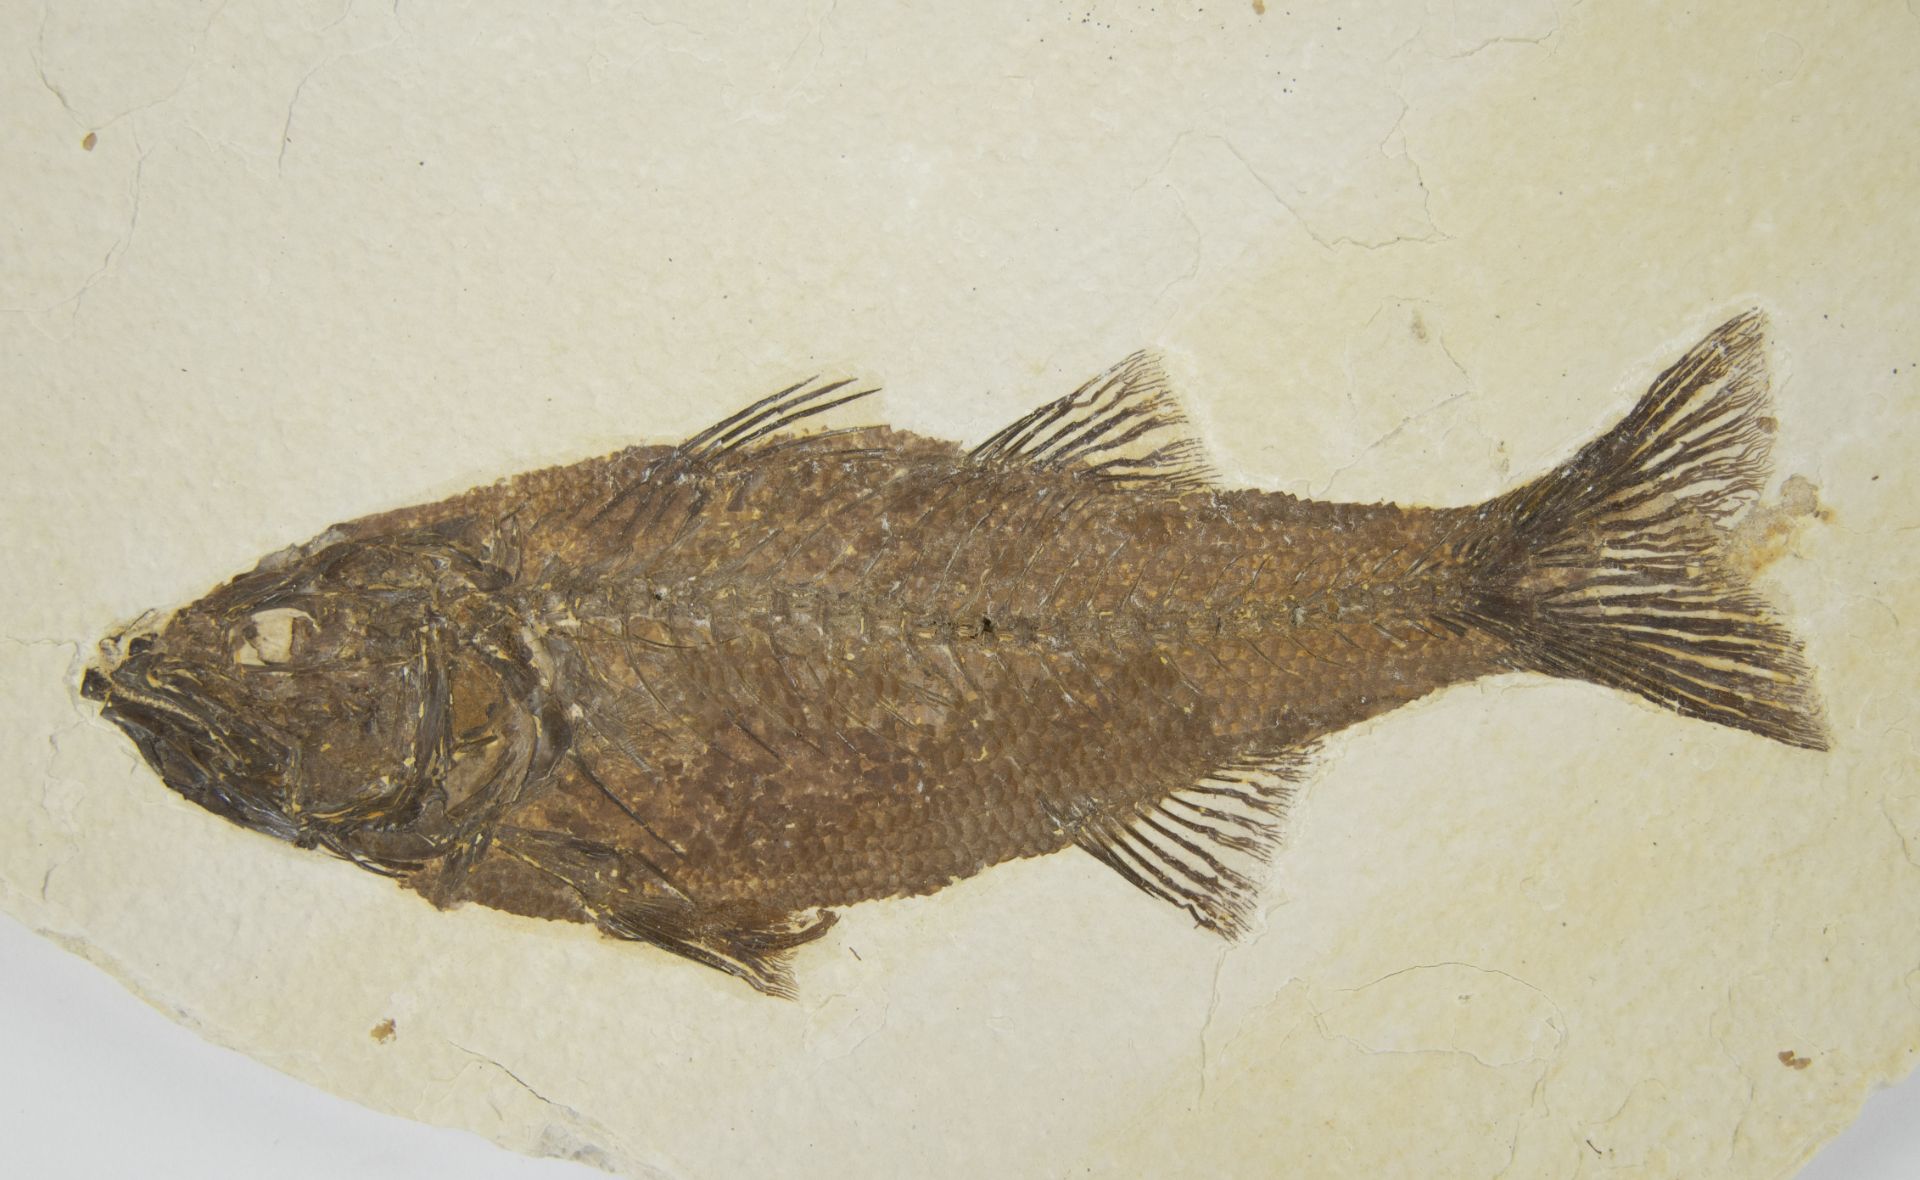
1612,568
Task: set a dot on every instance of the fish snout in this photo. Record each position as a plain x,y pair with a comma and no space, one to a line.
94,685
132,641
118,657
123,670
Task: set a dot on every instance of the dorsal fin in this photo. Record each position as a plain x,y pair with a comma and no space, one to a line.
1202,846
770,415
644,495
1124,425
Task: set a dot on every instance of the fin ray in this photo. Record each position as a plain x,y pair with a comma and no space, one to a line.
752,943
1614,567
1124,426
770,415
1204,846
635,506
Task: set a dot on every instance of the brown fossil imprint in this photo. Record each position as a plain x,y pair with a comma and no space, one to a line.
697,695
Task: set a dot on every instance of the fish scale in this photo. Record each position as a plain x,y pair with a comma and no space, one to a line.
700,695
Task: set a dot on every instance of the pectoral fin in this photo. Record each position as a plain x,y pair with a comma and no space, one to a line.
627,897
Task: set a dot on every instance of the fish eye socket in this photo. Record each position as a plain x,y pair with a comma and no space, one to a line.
274,636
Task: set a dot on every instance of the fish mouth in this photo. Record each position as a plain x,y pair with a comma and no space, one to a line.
196,746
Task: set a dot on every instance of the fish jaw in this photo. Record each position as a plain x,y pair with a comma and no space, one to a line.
199,749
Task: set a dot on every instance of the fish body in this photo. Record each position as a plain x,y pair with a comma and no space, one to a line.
698,695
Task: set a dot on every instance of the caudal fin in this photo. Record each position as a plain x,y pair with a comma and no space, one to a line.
1613,568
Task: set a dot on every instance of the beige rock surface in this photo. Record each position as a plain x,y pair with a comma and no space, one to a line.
276,264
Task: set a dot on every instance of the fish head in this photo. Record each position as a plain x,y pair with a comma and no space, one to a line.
369,696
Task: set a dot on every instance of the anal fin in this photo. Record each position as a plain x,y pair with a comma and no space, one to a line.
1203,847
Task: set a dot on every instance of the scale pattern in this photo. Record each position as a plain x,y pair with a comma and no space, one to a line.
698,695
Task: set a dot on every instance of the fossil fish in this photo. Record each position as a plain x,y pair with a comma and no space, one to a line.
700,695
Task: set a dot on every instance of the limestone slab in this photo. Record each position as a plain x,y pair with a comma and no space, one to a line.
273,265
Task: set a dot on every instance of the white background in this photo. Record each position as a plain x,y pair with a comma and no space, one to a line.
95,1083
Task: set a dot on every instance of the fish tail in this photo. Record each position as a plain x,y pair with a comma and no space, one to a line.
1616,567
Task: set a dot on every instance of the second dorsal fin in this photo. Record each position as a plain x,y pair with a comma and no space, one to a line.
1124,425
